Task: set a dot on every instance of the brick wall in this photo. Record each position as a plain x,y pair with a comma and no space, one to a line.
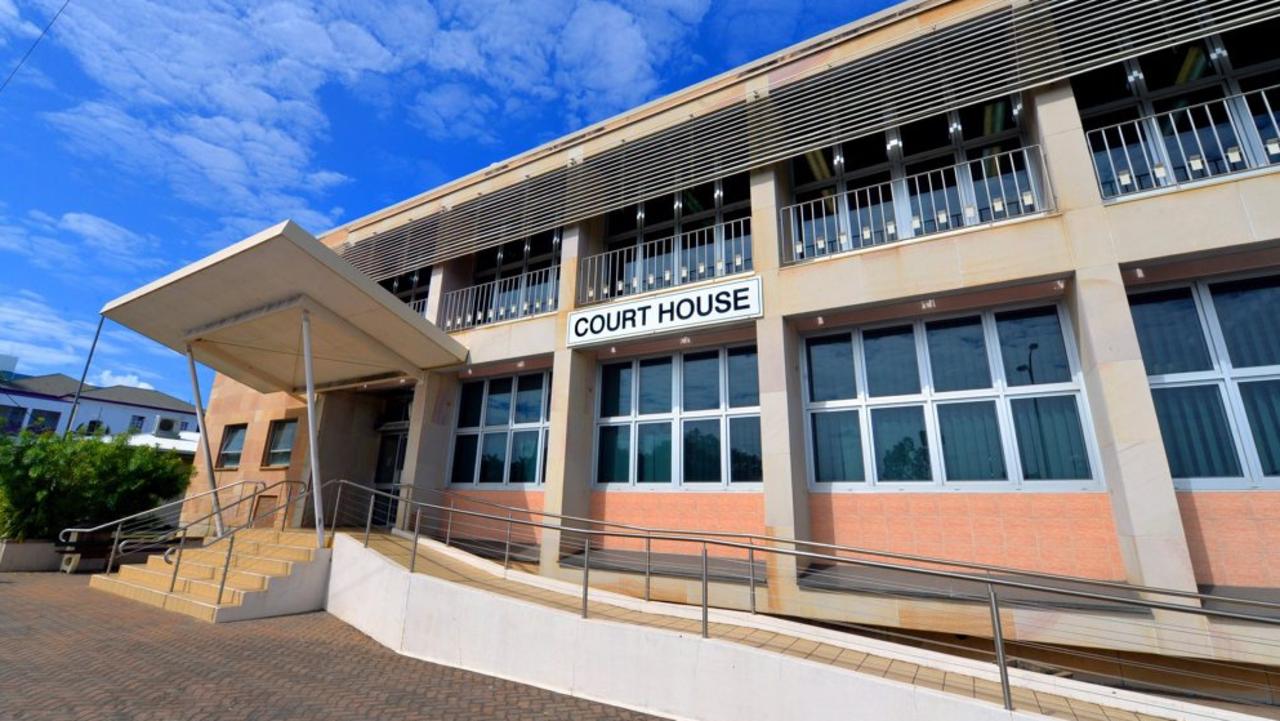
1234,536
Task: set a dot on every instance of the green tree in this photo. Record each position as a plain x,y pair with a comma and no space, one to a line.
48,482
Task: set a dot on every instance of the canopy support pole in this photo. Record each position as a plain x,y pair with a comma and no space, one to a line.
313,452
204,440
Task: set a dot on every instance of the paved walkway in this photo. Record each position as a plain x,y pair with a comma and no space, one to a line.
67,652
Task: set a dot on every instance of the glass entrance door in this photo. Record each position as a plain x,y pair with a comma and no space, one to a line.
391,450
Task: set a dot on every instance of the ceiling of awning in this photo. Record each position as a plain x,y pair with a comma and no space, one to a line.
241,311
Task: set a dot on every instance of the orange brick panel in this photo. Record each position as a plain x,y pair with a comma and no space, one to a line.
1234,536
699,512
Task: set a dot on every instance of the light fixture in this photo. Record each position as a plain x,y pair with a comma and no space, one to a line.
1125,178
525,307
702,268
822,243
1273,146
970,212
1196,163
799,249
942,217
684,273
635,283
591,292
666,276
652,279
613,350
519,364
915,222
997,205
620,286
1159,171
955,129
1233,154
866,232
719,265
737,260
684,340
891,229
1028,199
403,380
929,304
468,371
822,321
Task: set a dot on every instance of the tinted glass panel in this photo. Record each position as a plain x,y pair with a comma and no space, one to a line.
1247,312
493,457
736,189
891,361
11,418
744,378
702,451
613,457
971,447
701,199
993,118
1105,85
1176,66
470,405
659,211
814,166
464,459
655,385
1032,347
701,381
615,389
232,445
831,368
1253,44
524,457
653,453
865,152
901,444
958,354
925,135
42,421
497,411
1050,440
529,399
1262,404
1193,426
1169,332
746,462
280,446
837,447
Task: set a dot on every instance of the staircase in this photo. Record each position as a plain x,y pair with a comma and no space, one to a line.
268,573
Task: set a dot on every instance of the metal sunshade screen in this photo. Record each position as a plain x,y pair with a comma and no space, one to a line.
1000,52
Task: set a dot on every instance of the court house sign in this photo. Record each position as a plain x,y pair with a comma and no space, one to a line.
694,308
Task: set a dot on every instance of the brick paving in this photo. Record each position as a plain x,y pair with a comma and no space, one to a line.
67,652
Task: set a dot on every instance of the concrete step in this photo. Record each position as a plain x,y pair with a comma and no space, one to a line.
217,555
178,603
299,538
266,549
195,570
206,591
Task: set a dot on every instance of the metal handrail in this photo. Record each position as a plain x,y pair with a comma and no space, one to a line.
522,296
987,568
64,533
690,257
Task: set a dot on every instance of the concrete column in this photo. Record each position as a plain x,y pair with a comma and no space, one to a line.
786,491
569,444
431,420
435,292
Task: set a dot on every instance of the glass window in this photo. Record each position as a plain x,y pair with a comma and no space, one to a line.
1050,440
42,421
136,423
470,405
837,447
831,375
1262,406
736,189
1193,426
1176,67
1247,313
958,354
1169,332
614,454
232,445
524,457
1104,86
1032,347
746,460
529,399
922,136
655,385
702,451
1252,44
615,390
11,418
986,119
971,449
901,444
493,457
497,411
653,453
743,377
701,381
891,361
280,442
814,166
464,458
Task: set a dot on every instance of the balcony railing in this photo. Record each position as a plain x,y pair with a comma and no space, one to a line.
993,188
710,252
1187,145
520,296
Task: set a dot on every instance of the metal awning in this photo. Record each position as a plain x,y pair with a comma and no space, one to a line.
240,312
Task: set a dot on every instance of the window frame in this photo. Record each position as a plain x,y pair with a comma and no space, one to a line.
510,428
1225,377
676,417
929,399
218,464
137,423
272,429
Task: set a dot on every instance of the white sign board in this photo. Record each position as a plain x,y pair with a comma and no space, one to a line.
693,308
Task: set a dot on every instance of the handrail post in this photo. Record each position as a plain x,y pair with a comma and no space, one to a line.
751,570
704,590
586,572
368,520
417,532
115,543
506,553
337,510
648,564
177,561
997,639
448,524
226,565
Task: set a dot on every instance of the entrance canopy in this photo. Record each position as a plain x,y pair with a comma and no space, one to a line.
240,310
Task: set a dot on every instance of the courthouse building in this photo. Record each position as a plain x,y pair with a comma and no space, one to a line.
991,281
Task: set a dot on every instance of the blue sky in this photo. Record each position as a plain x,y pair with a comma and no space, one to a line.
140,137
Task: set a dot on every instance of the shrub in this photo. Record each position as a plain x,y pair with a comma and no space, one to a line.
48,483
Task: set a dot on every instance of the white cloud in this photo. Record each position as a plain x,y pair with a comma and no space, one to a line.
41,338
456,110
78,245
107,377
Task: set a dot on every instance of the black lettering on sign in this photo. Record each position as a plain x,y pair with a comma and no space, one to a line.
740,299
